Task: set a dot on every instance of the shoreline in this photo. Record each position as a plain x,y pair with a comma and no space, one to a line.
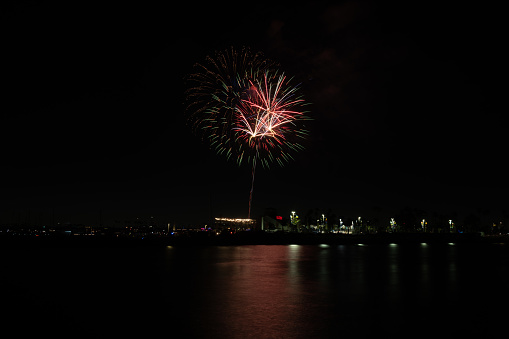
248,238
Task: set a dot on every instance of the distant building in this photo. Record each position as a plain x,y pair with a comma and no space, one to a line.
234,224
271,225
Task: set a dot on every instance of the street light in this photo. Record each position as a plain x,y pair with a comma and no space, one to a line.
393,224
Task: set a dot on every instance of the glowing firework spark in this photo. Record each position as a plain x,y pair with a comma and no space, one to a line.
216,89
267,120
247,109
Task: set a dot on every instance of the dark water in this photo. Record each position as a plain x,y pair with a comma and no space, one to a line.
258,291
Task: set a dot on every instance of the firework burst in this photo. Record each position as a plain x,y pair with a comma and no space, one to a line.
268,121
215,89
246,109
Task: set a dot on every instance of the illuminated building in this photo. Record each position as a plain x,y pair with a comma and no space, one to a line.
234,224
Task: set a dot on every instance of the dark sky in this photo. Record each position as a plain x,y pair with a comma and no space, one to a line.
406,101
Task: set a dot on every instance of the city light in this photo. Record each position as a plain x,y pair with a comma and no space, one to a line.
234,220
294,219
393,224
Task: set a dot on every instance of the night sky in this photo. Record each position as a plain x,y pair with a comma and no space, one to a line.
406,101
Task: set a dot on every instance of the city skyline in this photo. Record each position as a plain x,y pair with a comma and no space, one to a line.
322,221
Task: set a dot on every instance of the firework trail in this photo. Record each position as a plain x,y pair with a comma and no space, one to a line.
246,109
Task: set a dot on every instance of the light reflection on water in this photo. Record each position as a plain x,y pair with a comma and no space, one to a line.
321,291
317,291
289,291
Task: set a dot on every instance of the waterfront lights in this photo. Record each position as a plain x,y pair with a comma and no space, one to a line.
234,220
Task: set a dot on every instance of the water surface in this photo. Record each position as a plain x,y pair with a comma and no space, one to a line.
273,291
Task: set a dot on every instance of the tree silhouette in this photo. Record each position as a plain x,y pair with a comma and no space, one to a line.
472,223
407,220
